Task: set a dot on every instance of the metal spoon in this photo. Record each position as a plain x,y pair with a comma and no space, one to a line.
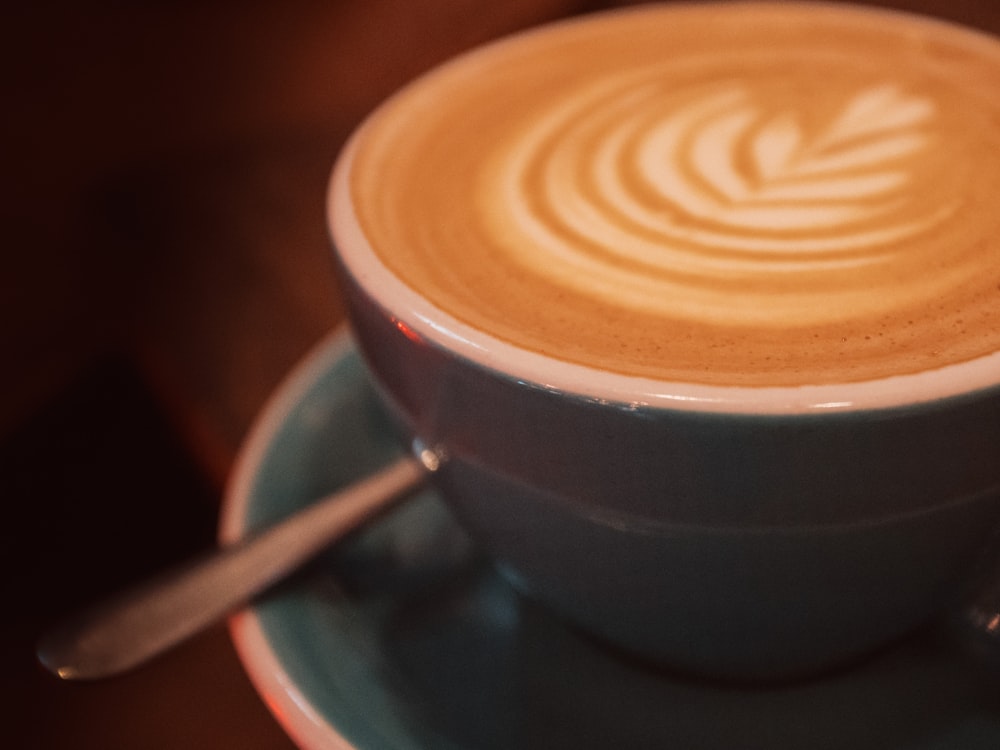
143,622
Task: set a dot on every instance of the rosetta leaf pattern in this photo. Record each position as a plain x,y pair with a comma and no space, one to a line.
874,130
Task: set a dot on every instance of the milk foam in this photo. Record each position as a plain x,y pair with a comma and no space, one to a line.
661,186
743,194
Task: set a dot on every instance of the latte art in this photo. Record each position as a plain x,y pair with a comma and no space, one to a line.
651,197
740,194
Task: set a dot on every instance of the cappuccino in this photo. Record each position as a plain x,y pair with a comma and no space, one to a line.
702,304
739,194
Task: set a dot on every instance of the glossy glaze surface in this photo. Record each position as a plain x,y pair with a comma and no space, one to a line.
410,640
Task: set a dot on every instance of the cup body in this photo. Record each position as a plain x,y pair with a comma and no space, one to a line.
744,546
737,532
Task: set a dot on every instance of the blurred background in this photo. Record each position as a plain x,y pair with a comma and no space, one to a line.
165,265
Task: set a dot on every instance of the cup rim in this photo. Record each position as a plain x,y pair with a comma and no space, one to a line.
418,316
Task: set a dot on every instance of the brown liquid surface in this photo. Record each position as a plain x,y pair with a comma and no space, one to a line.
746,194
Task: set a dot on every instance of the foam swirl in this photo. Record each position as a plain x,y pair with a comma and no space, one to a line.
630,190
773,194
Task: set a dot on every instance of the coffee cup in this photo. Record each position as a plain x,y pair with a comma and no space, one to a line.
701,303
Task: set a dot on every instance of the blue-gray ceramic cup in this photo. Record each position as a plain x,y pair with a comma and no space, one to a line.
738,545
737,532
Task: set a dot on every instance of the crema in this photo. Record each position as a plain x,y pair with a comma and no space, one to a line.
745,194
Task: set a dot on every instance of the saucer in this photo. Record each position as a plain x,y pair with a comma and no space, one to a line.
406,638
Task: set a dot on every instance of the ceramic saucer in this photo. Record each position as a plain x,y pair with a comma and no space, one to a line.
405,638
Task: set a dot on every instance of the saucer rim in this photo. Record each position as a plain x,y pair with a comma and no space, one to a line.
286,698
285,701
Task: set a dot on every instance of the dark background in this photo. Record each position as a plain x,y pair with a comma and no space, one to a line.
165,264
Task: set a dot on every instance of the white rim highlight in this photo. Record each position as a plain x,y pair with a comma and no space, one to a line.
439,327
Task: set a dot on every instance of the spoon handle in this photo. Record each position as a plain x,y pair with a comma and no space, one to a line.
142,622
